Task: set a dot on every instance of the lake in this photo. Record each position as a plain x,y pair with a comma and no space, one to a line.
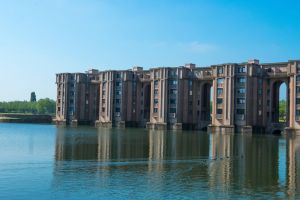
46,162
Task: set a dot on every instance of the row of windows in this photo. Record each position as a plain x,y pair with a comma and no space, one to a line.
172,82
241,79
241,69
240,100
241,91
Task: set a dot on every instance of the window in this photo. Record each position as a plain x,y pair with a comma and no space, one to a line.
173,91
219,91
156,91
103,101
155,110
241,101
156,75
118,101
172,82
298,78
241,80
171,72
71,110
155,101
241,91
118,92
220,70
172,110
220,82
240,111
241,69
219,101
297,100
118,83
118,75
118,109
172,101
219,111
260,91
297,88
298,112
156,83
103,93
103,109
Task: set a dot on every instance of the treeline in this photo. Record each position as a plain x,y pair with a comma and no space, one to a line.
42,106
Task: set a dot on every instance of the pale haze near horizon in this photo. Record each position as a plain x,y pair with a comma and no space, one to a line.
42,38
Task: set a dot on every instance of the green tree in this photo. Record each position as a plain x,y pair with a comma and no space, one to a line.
46,106
282,110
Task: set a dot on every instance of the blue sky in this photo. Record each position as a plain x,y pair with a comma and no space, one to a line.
39,38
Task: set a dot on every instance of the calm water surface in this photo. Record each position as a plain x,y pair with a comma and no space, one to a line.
46,162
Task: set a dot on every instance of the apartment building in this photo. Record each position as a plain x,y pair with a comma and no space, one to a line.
230,97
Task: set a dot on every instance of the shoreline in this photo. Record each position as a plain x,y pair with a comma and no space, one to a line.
25,118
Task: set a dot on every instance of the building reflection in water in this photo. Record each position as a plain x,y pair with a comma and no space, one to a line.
293,166
223,161
221,151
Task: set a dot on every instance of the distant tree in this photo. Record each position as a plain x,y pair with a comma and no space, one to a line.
46,106
32,97
282,110
43,106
